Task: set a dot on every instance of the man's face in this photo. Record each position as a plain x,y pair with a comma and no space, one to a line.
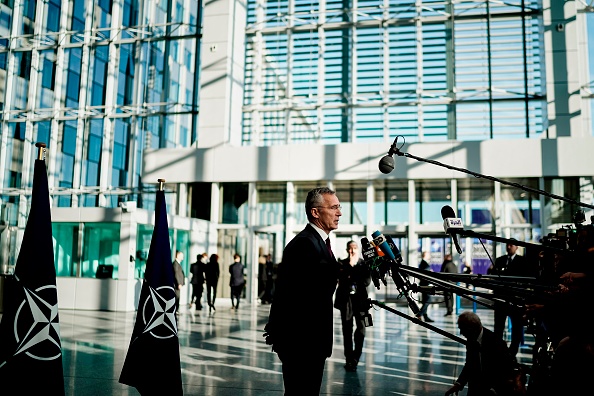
326,215
511,249
180,257
352,249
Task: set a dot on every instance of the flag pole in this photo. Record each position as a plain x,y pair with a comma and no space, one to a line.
161,184
41,153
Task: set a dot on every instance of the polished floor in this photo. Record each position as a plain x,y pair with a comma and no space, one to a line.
224,354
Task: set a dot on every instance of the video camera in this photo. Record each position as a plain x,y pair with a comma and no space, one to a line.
572,237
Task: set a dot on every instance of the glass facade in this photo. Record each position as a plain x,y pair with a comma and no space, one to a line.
101,81
429,71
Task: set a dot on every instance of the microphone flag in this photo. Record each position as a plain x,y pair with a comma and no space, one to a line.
30,350
152,364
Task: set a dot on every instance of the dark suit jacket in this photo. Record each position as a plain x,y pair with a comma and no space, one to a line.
301,316
197,270
425,267
236,271
212,272
495,368
352,278
518,267
449,267
178,274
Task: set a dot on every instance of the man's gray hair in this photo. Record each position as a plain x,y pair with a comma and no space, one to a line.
471,318
315,198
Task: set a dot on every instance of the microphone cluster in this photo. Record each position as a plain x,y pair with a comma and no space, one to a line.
383,257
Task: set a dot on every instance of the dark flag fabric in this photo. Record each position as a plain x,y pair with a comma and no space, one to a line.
30,348
152,364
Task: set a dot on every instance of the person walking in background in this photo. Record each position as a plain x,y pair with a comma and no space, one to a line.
269,280
300,326
351,300
197,271
425,297
179,278
449,267
212,273
237,280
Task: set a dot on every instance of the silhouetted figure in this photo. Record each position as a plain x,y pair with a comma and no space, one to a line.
237,280
449,267
425,297
197,271
179,278
212,273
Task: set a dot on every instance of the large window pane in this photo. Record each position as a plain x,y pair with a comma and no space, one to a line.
101,245
65,236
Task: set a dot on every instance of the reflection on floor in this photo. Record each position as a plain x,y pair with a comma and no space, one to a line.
225,354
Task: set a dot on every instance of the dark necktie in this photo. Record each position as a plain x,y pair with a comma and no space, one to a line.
329,248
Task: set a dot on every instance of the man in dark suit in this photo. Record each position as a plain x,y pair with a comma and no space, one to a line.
489,367
300,326
197,271
351,299
449,267
511,264
179,278
425,297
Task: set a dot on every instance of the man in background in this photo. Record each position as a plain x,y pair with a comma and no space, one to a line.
449,267
179,278
425,297
351,300
197,271
510,264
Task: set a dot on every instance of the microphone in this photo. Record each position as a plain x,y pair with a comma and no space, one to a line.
387,245
367,250
380,241
369,256
450,224
386,164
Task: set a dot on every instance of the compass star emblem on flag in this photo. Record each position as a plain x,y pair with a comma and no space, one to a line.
158,313
36,322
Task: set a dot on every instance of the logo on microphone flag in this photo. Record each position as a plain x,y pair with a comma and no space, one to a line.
30,347
152,363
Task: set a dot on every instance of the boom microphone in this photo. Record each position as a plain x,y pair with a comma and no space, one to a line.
451,223
386,164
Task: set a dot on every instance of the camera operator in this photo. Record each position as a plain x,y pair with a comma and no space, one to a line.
351,300
566,316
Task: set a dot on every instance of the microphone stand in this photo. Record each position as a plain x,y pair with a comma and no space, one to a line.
396,150
472,234
417,321
443,282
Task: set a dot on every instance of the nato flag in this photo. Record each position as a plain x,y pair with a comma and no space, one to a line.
30,348
152,364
